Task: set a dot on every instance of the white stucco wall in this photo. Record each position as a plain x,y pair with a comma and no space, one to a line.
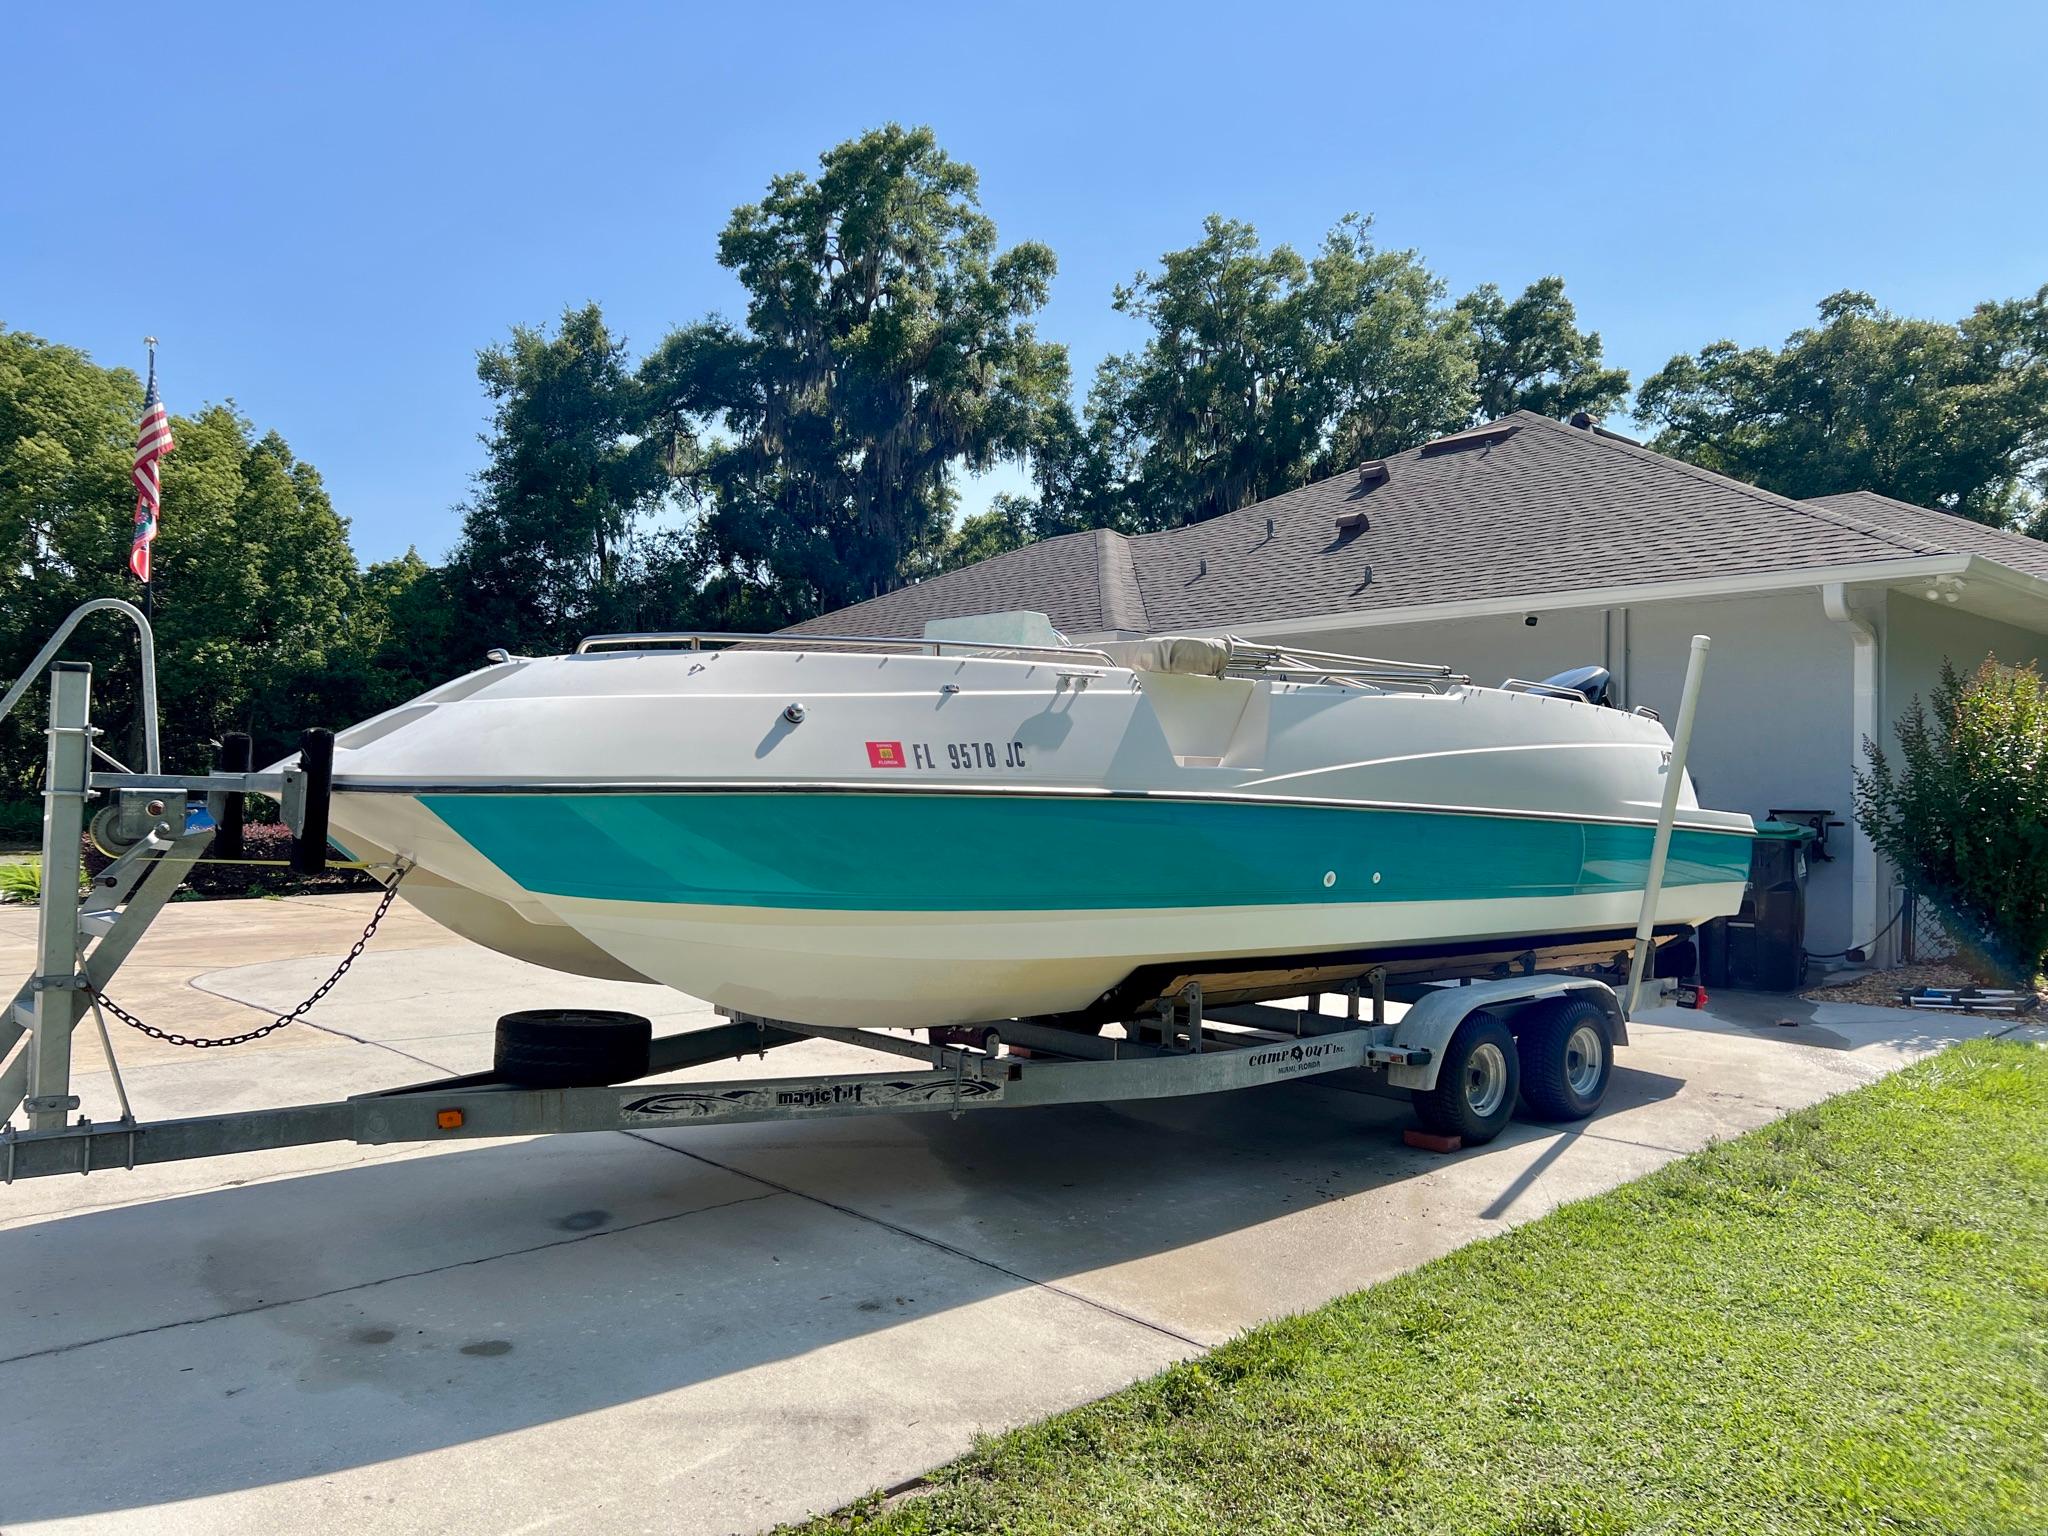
1775,721
1920,634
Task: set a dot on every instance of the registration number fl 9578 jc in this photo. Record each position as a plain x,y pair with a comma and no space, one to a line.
956,756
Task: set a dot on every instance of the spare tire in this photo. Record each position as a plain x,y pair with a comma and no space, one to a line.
571,1047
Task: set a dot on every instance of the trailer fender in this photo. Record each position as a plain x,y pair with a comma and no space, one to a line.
1434,1018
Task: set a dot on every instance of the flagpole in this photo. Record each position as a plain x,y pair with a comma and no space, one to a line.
149,587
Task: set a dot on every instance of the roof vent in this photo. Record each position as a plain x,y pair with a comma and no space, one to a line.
1353,522
1586,423
1498,432
1372,472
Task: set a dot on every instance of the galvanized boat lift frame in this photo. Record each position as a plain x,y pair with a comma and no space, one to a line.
1179,1049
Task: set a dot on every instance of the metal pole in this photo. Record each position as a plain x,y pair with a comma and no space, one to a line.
1660,845
152,761
237,755
316,760
57,998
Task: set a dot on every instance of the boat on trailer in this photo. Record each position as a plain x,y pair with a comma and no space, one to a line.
989,823
1162,835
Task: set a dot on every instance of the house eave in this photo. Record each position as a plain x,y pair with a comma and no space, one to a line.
1886,573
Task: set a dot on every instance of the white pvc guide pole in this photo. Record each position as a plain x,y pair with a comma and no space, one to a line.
1660,846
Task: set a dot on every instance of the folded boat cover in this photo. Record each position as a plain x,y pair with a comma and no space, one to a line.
1194,655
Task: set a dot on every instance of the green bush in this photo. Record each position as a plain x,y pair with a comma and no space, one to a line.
1965,815
21,821
22,880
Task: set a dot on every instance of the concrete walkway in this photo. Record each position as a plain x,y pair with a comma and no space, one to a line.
703,1330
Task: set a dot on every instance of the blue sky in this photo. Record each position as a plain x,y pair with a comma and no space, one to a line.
325,213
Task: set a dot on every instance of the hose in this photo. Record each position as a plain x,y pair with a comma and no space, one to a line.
1843,954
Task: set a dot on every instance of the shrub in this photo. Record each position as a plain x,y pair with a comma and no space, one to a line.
1965,816
21,821
22,880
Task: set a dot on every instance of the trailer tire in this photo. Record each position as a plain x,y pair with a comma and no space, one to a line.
571,1047
1567,1051
1475,1088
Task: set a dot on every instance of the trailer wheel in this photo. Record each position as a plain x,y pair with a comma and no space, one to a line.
571,1047
1567,1051
1475,1088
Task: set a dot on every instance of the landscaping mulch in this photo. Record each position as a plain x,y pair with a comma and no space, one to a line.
1881,989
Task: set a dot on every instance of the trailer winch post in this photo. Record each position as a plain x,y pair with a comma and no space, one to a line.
57,998
316,762
1660,845
237,755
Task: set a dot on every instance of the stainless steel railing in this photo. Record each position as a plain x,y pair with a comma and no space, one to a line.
1250,658
697,640
1247,658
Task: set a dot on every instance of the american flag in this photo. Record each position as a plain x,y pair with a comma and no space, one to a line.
152,442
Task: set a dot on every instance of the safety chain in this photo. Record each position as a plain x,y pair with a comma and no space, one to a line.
171,1037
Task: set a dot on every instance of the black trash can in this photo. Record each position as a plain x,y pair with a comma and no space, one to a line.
1762,947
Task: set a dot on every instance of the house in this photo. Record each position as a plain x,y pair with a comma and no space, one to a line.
1528,546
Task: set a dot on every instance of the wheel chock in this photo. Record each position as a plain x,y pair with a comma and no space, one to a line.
1429,1141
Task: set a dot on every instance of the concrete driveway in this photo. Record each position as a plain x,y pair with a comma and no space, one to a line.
704,1330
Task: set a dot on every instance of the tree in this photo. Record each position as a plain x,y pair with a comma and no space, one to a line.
67,435
1009,522
887,343
1262,371
1947,416
1213,413
409,632
573,475
255,583
1965,815
1390,367
1531,355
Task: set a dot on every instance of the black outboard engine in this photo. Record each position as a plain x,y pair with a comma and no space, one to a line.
1596,683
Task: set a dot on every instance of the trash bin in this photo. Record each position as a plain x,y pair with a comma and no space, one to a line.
1763,946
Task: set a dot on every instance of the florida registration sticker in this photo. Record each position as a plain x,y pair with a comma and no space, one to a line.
885,754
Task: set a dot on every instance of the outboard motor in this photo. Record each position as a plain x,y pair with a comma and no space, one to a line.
1596,683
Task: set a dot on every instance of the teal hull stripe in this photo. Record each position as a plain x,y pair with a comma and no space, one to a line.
972,853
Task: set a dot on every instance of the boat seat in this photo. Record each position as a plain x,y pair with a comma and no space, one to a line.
1189,655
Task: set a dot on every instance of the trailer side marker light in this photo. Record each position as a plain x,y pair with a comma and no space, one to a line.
448,1119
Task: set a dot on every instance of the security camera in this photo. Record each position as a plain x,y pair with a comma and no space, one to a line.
1529,619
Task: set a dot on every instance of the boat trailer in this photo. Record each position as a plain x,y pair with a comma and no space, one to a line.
1465,1053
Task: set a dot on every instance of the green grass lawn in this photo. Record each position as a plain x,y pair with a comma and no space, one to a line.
1838,1323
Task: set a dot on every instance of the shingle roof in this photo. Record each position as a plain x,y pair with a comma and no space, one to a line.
1523,508
1956,535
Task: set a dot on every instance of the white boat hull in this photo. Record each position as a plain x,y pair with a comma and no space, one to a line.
919,840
